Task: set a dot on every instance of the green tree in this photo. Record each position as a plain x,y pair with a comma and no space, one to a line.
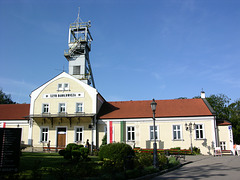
5,98
220,104
234,115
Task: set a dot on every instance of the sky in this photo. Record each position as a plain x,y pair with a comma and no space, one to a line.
141,49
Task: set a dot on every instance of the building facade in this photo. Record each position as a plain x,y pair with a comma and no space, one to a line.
69,109
132,122
63,111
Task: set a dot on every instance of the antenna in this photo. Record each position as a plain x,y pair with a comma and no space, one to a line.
78,17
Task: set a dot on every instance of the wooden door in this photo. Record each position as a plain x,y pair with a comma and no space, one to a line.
61,140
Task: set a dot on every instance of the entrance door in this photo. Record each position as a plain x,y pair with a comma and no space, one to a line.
61,137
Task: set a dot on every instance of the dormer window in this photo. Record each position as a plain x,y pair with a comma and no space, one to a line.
63,87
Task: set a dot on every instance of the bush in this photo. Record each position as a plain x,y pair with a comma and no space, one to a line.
119,153
144,159
62,152
175,148
162,161
172,161
104,140
75,152
68,155
196,150
72,146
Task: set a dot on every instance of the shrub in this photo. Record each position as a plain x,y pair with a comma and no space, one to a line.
162,161
75,152
172,161
104,140
68,155
175,148
119,153
72,146
62,152
196,150
144,159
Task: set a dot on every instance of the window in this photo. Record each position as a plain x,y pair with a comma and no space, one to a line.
66,86
177,132
223,145
44,134
130,133
76,70
151,132
79,107
199,131
62,108
78,134
63,87
45,108
60,87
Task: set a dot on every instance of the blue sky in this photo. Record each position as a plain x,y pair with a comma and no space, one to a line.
142,49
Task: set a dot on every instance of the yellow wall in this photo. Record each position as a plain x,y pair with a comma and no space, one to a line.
165,132
53,120
52,136
70,102
24,127
223,133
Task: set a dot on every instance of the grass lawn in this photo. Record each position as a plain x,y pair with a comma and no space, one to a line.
40,166
30,160
53,166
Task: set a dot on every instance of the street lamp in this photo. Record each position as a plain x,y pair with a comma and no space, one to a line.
155,160
189,127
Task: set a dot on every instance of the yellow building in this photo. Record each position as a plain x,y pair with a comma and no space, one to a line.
68,109
132,122
64,110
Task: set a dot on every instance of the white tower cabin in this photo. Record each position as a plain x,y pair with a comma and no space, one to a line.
79,43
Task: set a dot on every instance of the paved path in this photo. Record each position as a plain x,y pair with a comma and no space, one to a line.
206,167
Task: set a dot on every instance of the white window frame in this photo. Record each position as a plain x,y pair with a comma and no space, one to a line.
63,87
203,131
43,107
59,108
177,130
223,145
43,134
76,133
60,87
77,107
132,133
78,69
151,132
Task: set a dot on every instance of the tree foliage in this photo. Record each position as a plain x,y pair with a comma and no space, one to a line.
234,117
220,105
5,98
226,111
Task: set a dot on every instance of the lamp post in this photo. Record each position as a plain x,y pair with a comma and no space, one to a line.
155,160
189,127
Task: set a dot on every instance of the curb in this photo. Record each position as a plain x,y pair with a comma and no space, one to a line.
150,176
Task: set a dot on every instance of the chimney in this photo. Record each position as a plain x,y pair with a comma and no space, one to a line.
203,94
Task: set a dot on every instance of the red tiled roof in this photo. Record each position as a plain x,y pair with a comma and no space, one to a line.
14,111
165,108
223,123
